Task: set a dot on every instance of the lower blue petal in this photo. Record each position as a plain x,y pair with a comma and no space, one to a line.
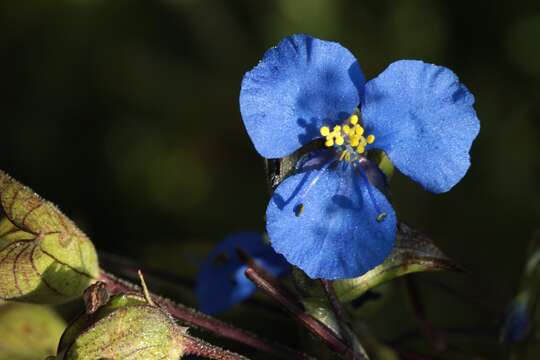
331,222
221,282
299,85
423,118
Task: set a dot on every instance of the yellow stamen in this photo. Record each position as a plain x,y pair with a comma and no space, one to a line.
348,138
325,131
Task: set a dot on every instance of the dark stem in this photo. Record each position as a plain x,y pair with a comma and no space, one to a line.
198,347
436,337
202,321
127,268
267,284
336,307
339,312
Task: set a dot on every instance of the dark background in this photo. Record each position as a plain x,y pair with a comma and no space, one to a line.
125,114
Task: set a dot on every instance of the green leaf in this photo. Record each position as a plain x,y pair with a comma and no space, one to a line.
28,331
44,257
413,252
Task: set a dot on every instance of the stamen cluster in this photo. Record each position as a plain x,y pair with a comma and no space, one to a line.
350,136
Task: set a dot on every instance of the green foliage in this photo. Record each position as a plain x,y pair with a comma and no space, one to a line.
28,332
45,257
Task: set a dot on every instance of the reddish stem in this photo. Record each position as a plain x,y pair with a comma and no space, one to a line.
335,304
202,321
267,284
436,337
198,347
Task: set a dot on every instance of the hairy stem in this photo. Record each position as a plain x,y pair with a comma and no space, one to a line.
198,347
202,321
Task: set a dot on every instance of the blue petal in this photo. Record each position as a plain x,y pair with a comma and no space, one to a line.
516,324
221,282
423,118
338,232
300,85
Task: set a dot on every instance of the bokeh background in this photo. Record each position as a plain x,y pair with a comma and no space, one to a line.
125,114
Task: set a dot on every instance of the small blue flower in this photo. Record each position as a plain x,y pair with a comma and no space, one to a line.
328,218
516,323
221,282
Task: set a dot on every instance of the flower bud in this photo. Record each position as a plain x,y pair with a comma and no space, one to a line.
45,258
28,331
126,327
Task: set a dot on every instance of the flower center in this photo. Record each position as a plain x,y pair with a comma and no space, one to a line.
348,139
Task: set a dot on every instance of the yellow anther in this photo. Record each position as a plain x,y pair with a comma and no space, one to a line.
363,141
349,138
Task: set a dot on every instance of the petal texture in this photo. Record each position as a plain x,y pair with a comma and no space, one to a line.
326,222
299,85
423,118
221,282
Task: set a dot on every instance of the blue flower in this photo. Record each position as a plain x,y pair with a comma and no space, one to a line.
516,324
221,282
328,218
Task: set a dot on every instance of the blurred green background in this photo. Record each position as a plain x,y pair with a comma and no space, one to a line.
125,114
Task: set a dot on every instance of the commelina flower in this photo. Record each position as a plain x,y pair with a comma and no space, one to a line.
516,324
328,218
221,282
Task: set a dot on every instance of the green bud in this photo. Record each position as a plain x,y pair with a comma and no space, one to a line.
126,327
28,331
45,258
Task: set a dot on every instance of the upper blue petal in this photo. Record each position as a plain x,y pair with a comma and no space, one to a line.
423,118
300,85
221,282
338,232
